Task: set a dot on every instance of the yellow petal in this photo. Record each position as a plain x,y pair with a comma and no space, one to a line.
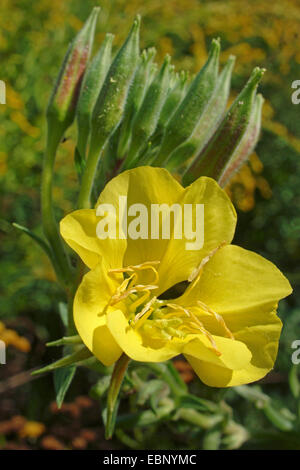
245,289
234,354
262,341
91,297
149,186
239,285
79,230
130,341
179,263
113,250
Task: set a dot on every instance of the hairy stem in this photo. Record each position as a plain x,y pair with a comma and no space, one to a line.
61,264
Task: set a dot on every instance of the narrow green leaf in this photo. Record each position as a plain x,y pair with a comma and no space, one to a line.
148,390
99,389
66,340
63,313
252,393
44,245
212,440
198,419
110,420
199,404
277,418
62,381
170,375
176,377
294,381
73,358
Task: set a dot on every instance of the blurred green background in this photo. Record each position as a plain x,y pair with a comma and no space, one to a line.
33,39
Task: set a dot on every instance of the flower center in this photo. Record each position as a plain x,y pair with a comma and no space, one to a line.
155,318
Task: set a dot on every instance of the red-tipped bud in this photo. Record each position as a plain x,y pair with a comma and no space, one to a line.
62,104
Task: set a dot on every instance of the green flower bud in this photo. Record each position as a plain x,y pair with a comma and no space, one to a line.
109,163
153,72
174,98
215,156
208,123
135,97
247,143
90,89
63,101
187,115
111,102
118,142
147,117
109,107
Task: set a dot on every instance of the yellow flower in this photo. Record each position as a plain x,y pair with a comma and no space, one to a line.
32,429
224,323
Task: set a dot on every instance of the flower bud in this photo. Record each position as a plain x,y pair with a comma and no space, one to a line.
187,115
90,89
215,156
174,98
109,108
147,117
208,123
111,102
62,104
247,144
135,97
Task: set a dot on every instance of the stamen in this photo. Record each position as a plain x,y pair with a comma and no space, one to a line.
179,307
197,325
164,324
218,317
124,285
133,268
144,318
152,268
117,297
129,286
145,309
139,301
195,273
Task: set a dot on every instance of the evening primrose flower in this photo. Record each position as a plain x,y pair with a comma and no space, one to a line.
224,323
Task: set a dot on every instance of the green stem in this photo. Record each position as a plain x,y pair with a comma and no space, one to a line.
82,142
71,330
71,294
62,264
113,393
84,199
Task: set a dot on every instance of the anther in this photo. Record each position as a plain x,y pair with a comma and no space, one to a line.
217,316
